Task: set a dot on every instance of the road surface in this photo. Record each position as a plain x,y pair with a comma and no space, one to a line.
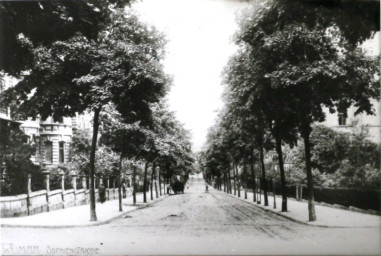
194,223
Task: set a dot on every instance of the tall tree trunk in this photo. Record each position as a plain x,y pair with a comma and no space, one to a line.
224,180
281,172
134,185
229,181
264,182
234,181
164,190
245,175
310,185
238,181
160,192
145,183
155,179
120,183
253,173
273,183
93,214
152,175
259,194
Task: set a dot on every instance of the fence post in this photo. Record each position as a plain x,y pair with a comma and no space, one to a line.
73,175
297,193
29,191
74,180
63,188
84,186
47,187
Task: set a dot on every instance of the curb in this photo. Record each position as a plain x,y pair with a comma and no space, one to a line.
292,219
85,225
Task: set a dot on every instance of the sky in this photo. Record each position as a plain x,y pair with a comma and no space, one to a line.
199,34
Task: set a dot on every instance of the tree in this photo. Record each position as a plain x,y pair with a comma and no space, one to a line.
169,145
342,159
357,21
80,148
122,66
15,153
125,139
248,100
48,22
309,68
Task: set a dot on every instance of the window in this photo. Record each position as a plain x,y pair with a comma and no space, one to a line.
48,152
342,119
62,152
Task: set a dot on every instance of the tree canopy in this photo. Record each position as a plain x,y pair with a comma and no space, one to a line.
296,60
29,24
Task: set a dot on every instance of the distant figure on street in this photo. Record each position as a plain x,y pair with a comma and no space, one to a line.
206,188
124,190
102,193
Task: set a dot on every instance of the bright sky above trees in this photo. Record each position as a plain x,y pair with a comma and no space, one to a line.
199,34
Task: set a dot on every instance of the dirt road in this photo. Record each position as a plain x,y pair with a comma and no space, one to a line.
197,222
212,213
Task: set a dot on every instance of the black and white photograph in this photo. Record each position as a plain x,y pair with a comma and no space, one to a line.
190,127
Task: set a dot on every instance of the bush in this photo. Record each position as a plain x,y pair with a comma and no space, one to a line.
17,178
16,153
338,159
55,178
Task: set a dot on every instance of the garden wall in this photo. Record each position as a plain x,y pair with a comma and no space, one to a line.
44,201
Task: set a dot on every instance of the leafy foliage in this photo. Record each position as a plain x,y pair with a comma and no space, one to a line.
296,59
339,159
120,66
48,22
16,154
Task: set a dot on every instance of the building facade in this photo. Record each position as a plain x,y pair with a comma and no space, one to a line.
51,138
348,123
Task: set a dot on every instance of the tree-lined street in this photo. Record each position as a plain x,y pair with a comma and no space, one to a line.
200,222
101,155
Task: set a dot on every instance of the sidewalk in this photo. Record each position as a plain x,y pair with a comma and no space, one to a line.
325,216
79,216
